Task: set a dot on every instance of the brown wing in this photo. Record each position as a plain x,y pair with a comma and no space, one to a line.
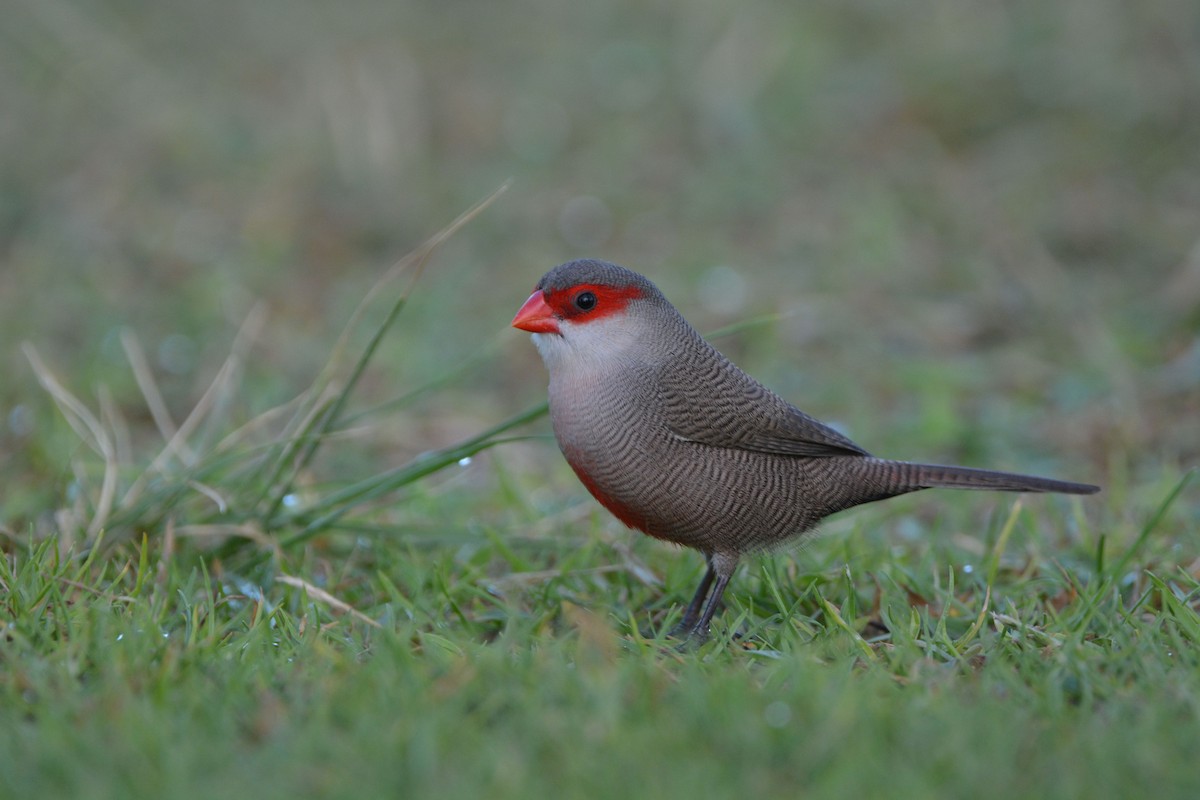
710,401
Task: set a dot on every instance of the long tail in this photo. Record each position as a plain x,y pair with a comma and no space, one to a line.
927,476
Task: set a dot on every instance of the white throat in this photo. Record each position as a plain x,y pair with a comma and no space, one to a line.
597,346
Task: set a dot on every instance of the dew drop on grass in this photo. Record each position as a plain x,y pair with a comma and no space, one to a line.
291,501
465,461
20,421
968,569
120,636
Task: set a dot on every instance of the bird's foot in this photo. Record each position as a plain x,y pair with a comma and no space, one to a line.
689,636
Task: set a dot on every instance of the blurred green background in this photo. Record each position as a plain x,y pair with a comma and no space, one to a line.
978,223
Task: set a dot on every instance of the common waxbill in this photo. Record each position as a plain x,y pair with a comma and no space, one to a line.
676,441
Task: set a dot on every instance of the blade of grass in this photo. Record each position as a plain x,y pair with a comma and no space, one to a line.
1152,524
485,355
976,626
221,383
1002,542
333,507
321,596
1175,608
835,617
324,421
89,428
299,453
151,394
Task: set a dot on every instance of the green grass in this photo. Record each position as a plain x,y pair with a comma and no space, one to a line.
140,676
277,520
221,623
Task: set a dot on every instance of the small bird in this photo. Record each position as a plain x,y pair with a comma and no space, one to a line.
679,443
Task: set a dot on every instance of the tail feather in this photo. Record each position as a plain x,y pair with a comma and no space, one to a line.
927,476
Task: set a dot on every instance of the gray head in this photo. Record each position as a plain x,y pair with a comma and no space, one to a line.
601,312
589,271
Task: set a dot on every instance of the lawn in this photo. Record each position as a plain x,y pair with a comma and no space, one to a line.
281,514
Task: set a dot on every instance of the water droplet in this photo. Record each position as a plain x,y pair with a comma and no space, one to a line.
291,501
968,569
20,421
465,461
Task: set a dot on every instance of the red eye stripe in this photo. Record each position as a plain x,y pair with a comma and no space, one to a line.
608,300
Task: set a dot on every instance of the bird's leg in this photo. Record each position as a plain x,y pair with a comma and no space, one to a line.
700,629
684,628
721,567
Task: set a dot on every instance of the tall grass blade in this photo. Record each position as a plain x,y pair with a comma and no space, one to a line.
338,504
299,452
1151,524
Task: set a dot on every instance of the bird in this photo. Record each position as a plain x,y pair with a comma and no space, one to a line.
681,444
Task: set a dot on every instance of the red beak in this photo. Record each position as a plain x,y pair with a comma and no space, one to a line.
535,316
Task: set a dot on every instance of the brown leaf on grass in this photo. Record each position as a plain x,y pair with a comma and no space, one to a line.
1063,599
916,599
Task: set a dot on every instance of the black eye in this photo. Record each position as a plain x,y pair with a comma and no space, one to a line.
585,301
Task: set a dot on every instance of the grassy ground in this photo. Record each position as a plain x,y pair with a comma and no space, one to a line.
266,528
